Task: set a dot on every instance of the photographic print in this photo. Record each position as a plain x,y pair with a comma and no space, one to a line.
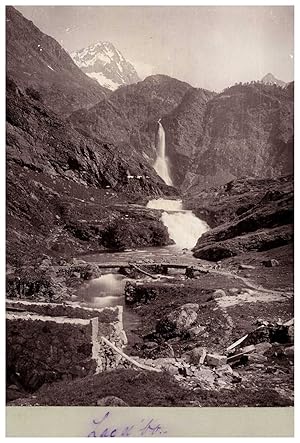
149,208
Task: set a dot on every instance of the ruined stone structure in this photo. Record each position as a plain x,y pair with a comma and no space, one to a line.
51,341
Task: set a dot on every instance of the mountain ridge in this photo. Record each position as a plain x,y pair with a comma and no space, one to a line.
36,60
105,63
271,79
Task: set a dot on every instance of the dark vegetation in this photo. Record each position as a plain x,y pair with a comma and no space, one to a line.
145,389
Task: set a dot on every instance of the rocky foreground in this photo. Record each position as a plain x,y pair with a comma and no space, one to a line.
246,215
187,321
219,335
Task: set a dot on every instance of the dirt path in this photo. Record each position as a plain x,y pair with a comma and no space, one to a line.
251,285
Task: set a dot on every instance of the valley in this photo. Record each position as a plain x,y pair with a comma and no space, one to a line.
151,226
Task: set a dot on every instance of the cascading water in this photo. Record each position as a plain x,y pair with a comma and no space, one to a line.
183,226
161,163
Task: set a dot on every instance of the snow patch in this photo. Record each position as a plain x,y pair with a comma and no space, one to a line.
103,81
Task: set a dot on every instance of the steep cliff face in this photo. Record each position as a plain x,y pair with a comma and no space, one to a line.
184,128
130,114
248,131
33,59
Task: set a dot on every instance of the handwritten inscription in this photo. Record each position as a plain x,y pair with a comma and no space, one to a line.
107,426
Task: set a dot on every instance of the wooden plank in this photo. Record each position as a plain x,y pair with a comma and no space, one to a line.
126,357
168,265
236,343
143,272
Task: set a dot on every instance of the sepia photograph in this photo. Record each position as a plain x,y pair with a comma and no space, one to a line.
149,207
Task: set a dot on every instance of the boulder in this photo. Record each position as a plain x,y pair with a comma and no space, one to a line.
224,371
236,378
178,322
197,356
195,331
206,376
257,358
76,274
271,263
218,293
90,271
289,352
111,400
263,347
215,360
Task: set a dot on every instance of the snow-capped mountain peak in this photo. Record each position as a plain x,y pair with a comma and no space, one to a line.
103,62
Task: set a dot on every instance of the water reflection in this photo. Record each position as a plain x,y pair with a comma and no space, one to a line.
107,290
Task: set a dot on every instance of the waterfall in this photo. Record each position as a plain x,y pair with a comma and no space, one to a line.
183,226
161,163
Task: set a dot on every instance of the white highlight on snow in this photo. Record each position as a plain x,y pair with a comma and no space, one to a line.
103,80
104,55
102,51
161,164
183,226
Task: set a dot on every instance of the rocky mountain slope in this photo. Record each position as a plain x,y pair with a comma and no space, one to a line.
184,127
33,59
130,114
61,185
247,131
103,62
212,139
246,216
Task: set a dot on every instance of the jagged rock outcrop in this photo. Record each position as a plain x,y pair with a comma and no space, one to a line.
35,60
264,225
103,62
226,203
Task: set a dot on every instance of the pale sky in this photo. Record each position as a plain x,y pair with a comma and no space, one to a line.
207,46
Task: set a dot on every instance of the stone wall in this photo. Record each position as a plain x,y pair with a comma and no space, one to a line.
48,342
